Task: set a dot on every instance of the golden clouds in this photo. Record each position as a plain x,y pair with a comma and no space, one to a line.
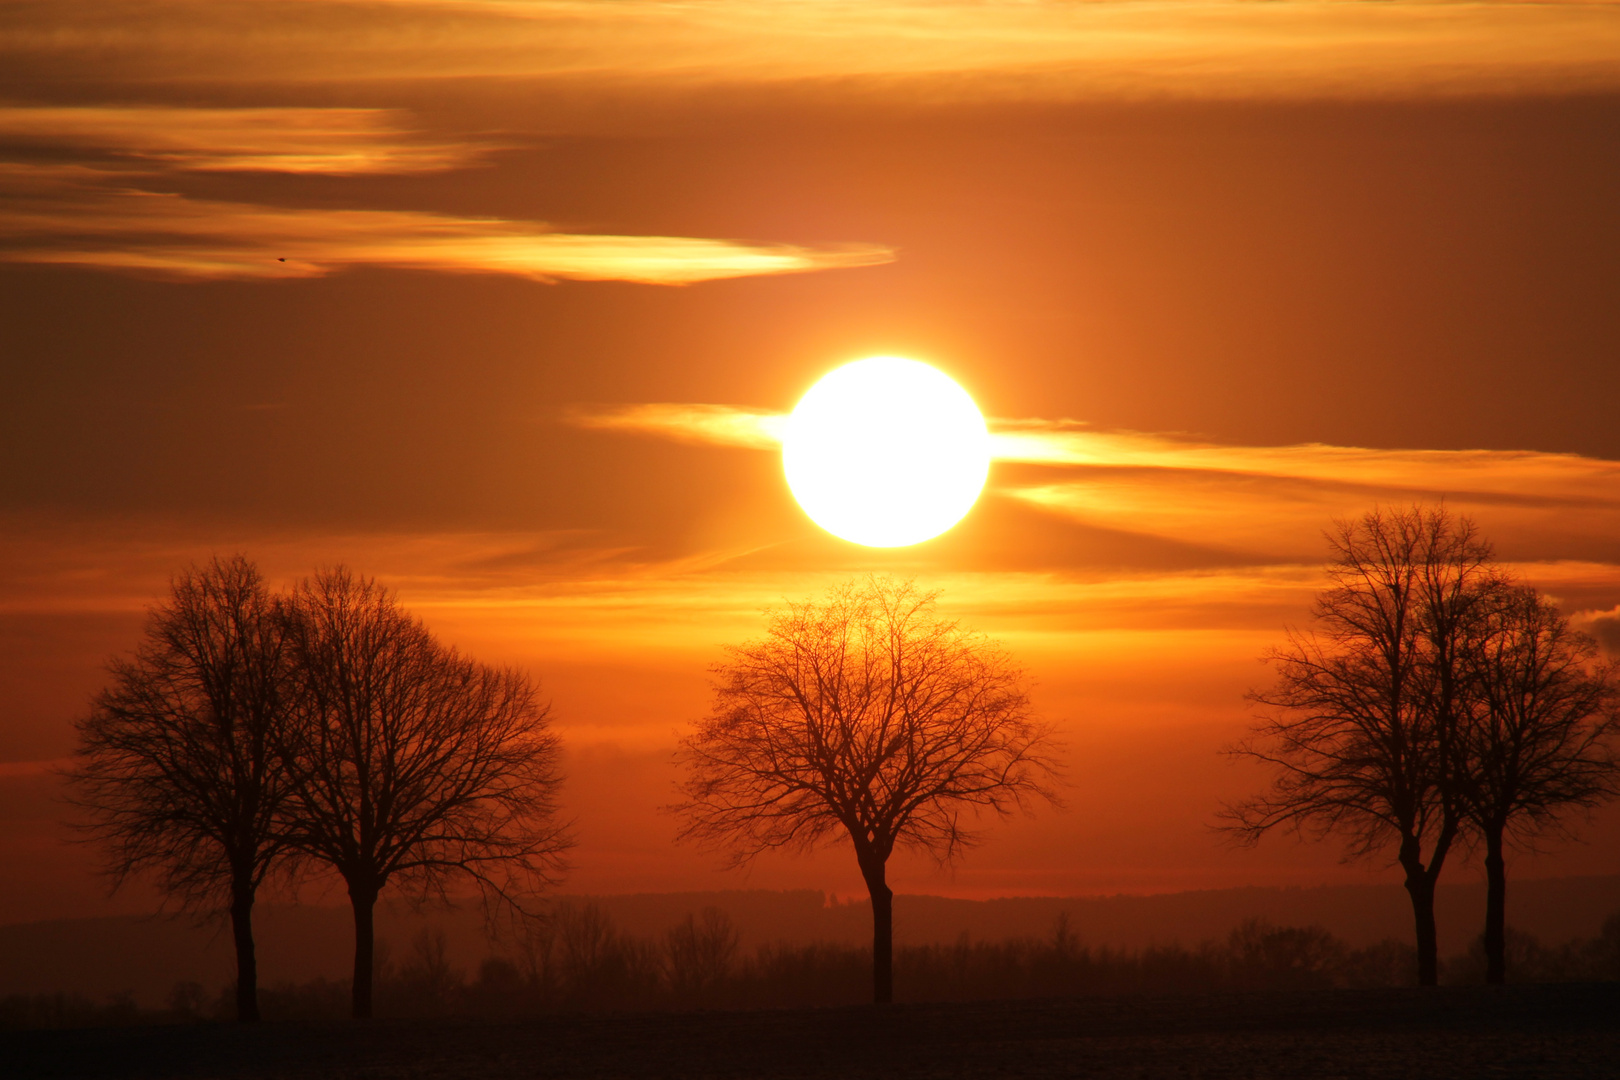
721,425
1505,472
1275,501
958,48
174,236
1266,502
80,206
264,53
562,593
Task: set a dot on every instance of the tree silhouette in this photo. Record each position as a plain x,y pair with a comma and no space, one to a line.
864,715
1535,743
178,771
1363,722
698,953
411,763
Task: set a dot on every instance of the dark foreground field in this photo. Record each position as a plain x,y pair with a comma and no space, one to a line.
1516,1031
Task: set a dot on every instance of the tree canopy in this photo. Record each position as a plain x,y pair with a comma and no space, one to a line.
868,716
409,762
177,770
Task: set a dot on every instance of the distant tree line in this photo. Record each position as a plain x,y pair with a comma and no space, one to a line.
254,734
1436,702
574,959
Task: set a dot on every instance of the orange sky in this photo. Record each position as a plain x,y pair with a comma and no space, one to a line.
501,302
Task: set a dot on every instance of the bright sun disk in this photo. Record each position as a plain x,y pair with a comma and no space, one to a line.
886,452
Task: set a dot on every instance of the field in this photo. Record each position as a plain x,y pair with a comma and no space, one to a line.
1569,1030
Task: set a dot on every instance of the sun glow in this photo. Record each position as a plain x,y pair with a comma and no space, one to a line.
886,452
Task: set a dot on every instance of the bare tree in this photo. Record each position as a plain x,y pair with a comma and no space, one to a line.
1363,720
1536,743
698,954
867,716
412,763
177,769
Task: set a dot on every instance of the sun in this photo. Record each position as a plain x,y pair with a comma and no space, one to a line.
886,452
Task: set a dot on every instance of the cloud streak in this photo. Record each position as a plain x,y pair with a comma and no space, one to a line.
1040,49
1271,501
174,236
70,199
1505,472
1275,500
1511,473
291,140
718,425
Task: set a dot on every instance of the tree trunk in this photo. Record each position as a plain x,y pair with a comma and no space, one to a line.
1495,907
364,899
1421,890
1420,887
874,871
247,962
1420,882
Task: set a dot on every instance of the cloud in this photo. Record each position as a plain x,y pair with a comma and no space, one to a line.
52,565
174,236
1507,472
720,425
959,48
1522,474
1602,625
290,140
1267,501
76,206
1276,500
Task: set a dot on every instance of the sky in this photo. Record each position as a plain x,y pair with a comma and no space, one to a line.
502,302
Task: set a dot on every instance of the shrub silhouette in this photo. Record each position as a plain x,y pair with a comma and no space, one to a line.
1283,957
698,955
427,984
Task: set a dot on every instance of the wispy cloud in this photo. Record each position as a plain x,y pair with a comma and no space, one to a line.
290,140
1507,472
1602,625
1522,473
171,235
1275,500
1272,501
70,199
721,425
1041,48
